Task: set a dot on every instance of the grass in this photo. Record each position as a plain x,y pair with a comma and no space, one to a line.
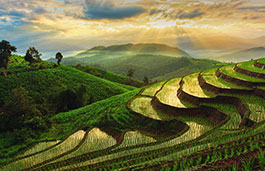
152,137
39,86
211,78
151,90
134,138
143,106
262,60
255,104
230,71
195,130
68,144
114,108
261,87
249,66
95,140
168,95
109,75
39,147
18,64
230,110
192,87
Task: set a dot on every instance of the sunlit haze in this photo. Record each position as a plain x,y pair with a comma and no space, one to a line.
197,26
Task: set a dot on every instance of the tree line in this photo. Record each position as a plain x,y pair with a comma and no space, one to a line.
32,55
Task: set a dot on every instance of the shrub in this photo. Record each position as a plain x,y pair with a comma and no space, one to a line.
20,112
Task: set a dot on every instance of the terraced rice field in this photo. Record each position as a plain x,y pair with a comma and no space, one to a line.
215,133
39,147
95,140
65,146
262,60
143,106
192,87
151,90
211,78
135,138
168,94
229,70
250,67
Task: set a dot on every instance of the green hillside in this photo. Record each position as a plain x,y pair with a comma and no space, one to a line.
109,76
153,66
148,60
209,120
38,83
30,95
243,55
143,48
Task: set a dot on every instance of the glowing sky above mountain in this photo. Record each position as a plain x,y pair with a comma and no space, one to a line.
74,25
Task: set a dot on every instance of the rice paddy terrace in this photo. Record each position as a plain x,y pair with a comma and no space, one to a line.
204,121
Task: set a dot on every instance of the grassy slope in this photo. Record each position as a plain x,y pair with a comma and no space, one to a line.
262,60
113,113
148,60
195,66
46,81
232,124
230,71
163,67
109,75
43,84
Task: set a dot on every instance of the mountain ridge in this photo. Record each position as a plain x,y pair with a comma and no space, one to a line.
245,54
141,48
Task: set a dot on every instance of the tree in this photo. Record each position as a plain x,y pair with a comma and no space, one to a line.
146,80
32,55
5,52
21,112
59,56
130,72
72,98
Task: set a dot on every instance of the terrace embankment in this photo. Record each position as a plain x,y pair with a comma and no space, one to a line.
117,135
249,73
212,114
241,108
218,90
156,128
259,65
237,81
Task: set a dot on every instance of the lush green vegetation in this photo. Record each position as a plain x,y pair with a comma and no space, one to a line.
211,78
31,94
249,66
109,76
128,131
153,66
151,90
167,94
191,86
154,61
229,71
262,60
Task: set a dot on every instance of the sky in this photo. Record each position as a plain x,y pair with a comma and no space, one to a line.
70,26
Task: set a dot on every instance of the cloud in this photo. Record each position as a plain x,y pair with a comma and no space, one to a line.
109,10
256,9
155,11
186,15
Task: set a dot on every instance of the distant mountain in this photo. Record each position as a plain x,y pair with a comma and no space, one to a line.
151,48
148,60
108,55
244,55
